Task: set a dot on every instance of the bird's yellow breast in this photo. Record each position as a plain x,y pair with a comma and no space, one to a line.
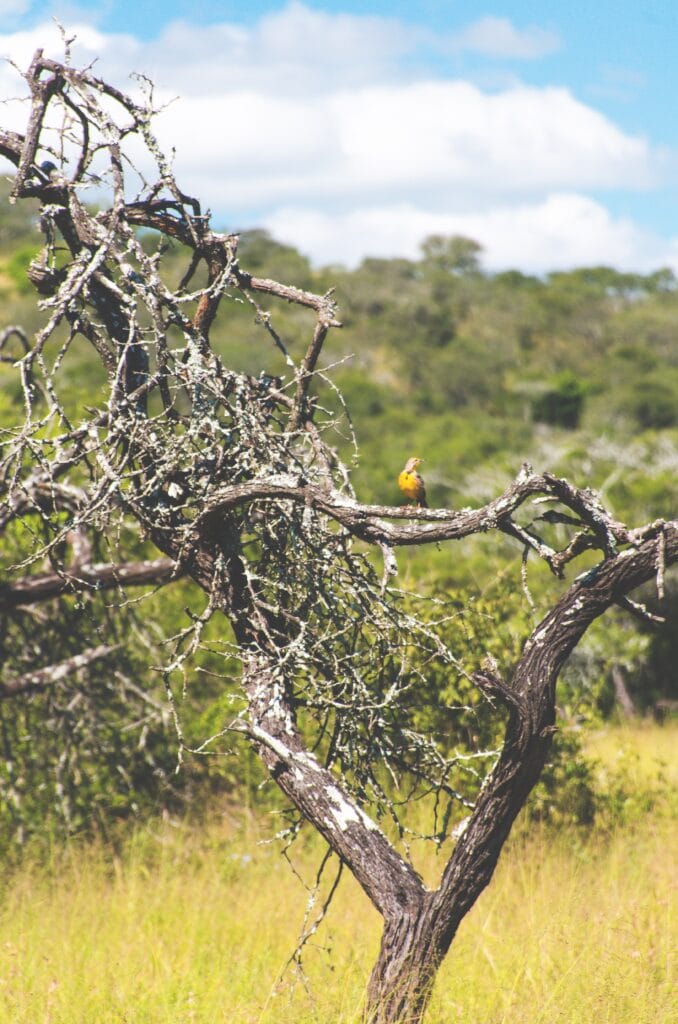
411,485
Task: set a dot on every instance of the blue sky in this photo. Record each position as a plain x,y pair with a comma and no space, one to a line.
350,129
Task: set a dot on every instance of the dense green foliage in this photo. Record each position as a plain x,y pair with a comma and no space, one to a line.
576,372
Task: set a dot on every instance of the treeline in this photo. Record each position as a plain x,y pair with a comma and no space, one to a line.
474,371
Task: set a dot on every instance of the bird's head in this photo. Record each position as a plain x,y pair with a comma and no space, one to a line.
412,464
49,169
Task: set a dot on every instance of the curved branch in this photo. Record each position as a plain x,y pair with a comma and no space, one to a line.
10,332
41,93
370,522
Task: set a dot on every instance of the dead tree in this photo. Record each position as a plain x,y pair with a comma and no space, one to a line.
235,481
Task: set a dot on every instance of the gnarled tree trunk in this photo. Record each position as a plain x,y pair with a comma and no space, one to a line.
409,956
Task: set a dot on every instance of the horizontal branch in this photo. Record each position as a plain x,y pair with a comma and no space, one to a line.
97,577
323,304
53,673
372,522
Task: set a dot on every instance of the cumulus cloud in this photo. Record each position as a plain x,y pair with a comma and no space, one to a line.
497,37
447,142
13,8
290,51
317,126
562,231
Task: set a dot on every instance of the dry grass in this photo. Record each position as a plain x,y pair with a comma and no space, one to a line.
647,750
190,928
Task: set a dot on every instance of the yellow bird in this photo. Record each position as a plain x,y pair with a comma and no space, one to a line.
411,484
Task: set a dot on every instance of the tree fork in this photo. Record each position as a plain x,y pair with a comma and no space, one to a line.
413,946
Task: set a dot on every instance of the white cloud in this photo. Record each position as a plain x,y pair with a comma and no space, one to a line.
13,8
315,125
564,230
497,37
296,50
445,141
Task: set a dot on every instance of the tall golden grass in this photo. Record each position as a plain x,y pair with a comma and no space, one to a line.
192,926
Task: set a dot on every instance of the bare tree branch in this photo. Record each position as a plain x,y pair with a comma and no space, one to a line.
428,525
13,687
98,577
389,881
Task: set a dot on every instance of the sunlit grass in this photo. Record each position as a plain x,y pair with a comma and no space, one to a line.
196,927
651,751
570,931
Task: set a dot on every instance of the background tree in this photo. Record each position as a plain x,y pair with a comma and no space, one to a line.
235,480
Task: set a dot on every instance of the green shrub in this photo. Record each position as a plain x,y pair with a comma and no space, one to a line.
566,793
562,404
653,400
16,267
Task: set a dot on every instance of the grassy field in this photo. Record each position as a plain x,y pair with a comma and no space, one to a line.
196,928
